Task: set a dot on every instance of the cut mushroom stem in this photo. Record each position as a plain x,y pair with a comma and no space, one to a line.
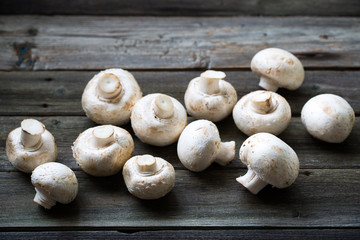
226,153
209,82
109,86
31,131
252,182
146,164
267,84
103,136
263,103
163,106
44,200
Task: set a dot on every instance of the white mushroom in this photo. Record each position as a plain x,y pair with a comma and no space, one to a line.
200,145
103,150
110,96
209,97
277,68
148,177
158,119
262,111
54,182
30,146
269,161
328,117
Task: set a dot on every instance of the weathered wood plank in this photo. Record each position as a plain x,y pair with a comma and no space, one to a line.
311,152
251,234
181,8
318,198
59,93
68,42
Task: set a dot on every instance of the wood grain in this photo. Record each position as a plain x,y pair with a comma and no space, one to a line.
311,152
49,93
323,198
92,43
183,7
244,234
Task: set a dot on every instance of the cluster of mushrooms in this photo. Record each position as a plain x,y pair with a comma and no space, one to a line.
113,97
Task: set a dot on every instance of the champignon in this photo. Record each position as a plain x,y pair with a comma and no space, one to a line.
262,111
54,182
103,150
200,145
110,96
30,145
269,161
148,177
209,97
158,119
328,117
277,68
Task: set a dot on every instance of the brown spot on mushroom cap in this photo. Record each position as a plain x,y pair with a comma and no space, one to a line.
290,62
328,110
276,149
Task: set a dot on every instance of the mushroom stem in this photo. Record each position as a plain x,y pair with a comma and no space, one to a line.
263,103
226,153
146,164
163,106
209,85
103,136
252,182
267,84
109,86
43,199
31,131
209,81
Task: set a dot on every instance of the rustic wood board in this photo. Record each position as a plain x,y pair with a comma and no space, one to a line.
311,152
59,92
184,7
73,42
244,234
164,54
323,198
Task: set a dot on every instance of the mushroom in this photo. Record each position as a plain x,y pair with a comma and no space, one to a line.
328,117
200,145
209,97
54,182
148,177
110,96
269,161
262,111
30,145
158,119
103,150
277,68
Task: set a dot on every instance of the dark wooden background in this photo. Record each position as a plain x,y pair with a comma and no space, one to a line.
51,49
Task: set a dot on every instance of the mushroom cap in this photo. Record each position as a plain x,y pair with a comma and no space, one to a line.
149,186
198,145
274,119
157,131
25,160
278,66
103,161
328,117
271,159
114,111
56,181
214,107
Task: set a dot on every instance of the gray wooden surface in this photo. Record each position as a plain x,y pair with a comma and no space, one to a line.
46,62
92,43
184,7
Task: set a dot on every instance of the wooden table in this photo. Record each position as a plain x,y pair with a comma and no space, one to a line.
46,61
